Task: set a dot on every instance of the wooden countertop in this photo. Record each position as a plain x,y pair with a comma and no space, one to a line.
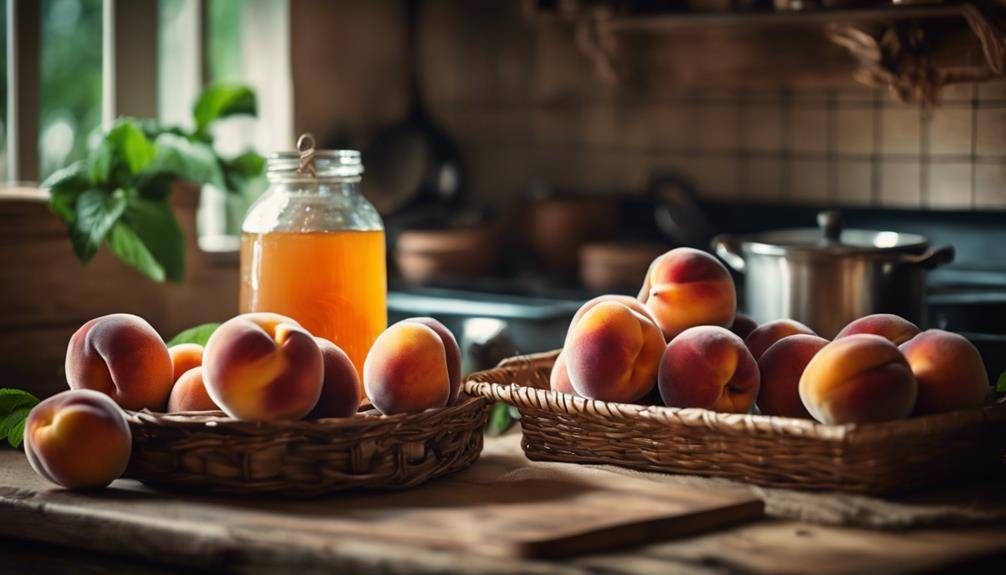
52,530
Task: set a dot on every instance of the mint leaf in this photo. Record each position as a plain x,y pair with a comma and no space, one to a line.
192,161
240,170
1001,384
13,421
124,149
65,186
124,242
199,334
11,399
97,212
223,100
16,434
155,225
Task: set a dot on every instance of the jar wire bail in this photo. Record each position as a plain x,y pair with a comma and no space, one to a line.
305,147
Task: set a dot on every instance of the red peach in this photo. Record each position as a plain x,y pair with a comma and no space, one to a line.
768,333
893,327
263,366
781,366
559,378
743,325
78,439
189,393
123,357
406,370
859,378
949,369
340,393
184,357
709,367
452,349
686,287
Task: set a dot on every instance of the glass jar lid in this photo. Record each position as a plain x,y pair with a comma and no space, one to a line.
308,163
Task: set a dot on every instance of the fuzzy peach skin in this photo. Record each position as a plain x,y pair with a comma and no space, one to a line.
263,366
406,370
770,332
122,356
612,353
184,357
341,391
452,349
78,439
893,327
860,378
709,367
743,325
950,372
781,366
687,287
558,379
189,393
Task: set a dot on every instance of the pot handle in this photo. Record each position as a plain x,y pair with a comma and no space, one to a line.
933,258
727,247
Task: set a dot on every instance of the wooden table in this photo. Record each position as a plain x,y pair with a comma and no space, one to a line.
27,538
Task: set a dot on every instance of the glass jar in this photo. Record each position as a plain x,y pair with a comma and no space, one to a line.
312,248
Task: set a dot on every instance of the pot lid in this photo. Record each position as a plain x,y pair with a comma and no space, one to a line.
832,239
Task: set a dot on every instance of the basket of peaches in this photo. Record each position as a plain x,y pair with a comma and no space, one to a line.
675,381
265,407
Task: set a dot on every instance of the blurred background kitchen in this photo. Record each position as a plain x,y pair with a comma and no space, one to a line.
525,155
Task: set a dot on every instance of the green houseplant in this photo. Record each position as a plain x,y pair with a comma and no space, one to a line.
118,195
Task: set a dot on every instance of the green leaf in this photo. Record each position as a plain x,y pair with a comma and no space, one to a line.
192,161
12,422
1001,384
124,242
223,100
123,152
97,212
16,434
65,186
239,171
199,334
11,399
501,419
154,223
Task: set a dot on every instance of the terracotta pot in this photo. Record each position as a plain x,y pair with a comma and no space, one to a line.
613,266
425,256
558,227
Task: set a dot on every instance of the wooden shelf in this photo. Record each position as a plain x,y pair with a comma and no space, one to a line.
674,20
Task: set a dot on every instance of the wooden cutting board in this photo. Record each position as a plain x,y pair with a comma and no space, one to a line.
499,507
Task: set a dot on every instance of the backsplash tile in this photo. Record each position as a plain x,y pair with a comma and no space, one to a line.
949,185
990,185
900,130
901,184
950,131
854,182
991,135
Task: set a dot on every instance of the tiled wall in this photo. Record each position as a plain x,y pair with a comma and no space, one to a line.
524,104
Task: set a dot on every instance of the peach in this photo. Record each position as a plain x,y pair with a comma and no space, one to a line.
559,377
709,367
612,353
122,356
893,327
78,439
189,393
184,357
768,333
263,366
950,372
781,366
341,390
686,287
743,325
452,349
859,378
628,301
406,370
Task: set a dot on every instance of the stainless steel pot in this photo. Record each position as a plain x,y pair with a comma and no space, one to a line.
830,276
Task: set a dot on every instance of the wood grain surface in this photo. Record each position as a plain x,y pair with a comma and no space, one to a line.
445,526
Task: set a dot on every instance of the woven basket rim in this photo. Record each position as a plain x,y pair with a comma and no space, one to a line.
362,420
484,383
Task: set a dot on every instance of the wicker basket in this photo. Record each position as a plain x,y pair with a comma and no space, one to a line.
773,451
210,452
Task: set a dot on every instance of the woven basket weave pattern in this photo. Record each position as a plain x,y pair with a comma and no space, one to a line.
771,451
214,453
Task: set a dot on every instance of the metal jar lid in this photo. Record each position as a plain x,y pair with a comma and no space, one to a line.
831,239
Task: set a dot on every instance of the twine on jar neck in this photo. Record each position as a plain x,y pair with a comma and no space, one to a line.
305,146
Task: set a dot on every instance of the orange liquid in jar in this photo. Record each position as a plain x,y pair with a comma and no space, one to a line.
333,283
